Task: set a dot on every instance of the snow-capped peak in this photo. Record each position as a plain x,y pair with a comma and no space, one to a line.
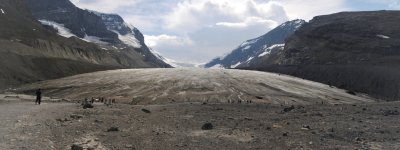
296,23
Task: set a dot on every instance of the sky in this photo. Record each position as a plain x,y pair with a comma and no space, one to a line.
196,31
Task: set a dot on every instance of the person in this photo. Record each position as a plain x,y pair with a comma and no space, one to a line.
38,96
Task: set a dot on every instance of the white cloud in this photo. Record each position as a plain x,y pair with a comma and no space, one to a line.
306,9
107,6
154,41
189,16
249,22
199,30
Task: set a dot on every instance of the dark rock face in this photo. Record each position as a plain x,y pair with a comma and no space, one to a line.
80,22
253,48
358,51
114,22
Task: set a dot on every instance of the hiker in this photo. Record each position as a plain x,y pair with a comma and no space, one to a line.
38,96
92,100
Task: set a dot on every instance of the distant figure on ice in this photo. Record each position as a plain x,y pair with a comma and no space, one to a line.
38,96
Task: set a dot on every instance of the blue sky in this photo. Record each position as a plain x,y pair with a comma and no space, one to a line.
196,31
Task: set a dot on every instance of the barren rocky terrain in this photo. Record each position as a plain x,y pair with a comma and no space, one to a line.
180,126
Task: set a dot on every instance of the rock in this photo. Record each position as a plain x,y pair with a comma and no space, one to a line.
390,112
98,121
75,116
287,109
306,127
76,147
90,148
247,118
87,105
285,134
207,126
351,92
113,129
129,146
146,111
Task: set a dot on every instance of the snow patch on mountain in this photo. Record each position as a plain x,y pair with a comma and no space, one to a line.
235,65
383,36
129,39
268,50
296,23
63,31
217,66
94,39
249,42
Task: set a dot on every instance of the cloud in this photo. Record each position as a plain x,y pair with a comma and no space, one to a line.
189,16
249,22
199,30
307,9
154,41
106,6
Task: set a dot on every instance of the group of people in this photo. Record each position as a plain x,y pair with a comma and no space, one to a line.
99,99
86,101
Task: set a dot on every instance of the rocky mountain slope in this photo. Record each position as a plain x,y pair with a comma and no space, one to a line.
107,30
30,51
253,48
358,51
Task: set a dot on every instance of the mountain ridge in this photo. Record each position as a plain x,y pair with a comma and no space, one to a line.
107,30
252,48
358,51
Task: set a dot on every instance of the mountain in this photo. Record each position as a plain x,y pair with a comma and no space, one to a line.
251,49
109,31
31,51
358,51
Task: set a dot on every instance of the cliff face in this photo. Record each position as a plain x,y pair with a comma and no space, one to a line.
32,52
358,51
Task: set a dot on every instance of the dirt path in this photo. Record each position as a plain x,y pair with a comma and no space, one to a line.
17,116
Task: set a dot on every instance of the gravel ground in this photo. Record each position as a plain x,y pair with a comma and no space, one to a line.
180,126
